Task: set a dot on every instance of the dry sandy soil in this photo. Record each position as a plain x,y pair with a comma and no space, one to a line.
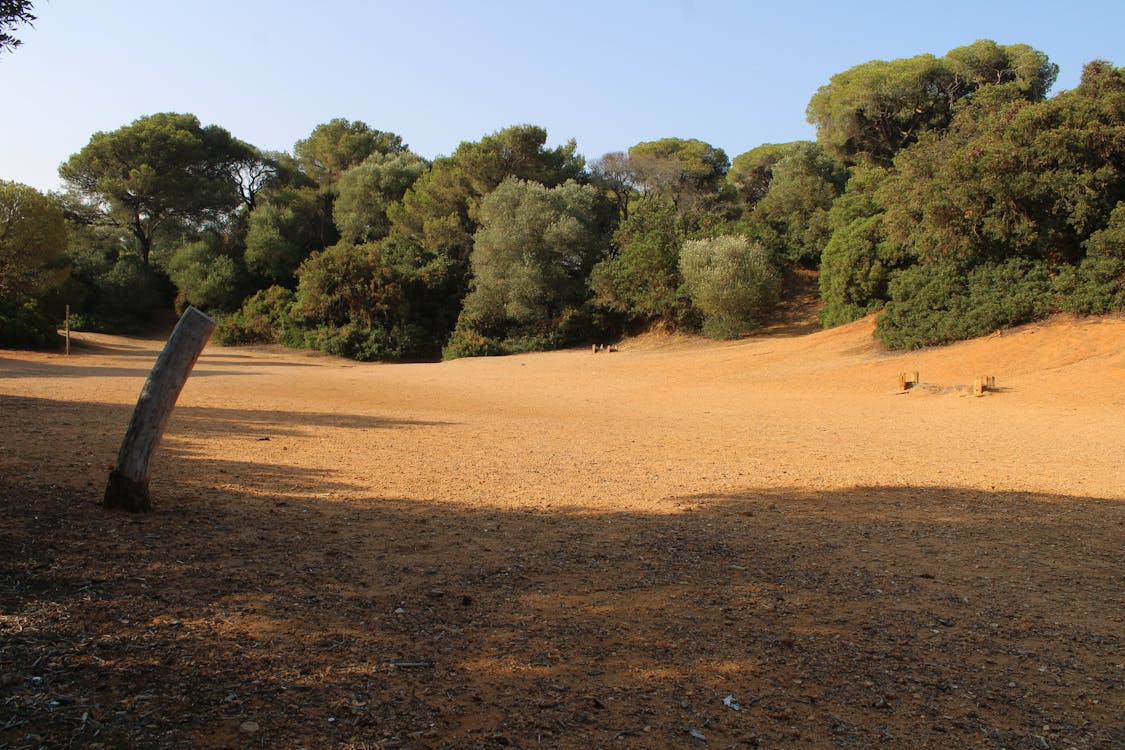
681,544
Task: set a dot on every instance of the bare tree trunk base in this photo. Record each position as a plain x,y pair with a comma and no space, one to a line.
124,493
128,482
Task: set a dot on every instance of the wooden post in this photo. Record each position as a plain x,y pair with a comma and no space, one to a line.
68,330
128,483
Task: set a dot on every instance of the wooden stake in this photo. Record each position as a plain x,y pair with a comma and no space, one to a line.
128,483
68,330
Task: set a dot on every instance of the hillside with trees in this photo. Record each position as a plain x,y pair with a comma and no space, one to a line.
949,194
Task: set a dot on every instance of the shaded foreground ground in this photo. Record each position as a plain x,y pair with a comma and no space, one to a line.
576,551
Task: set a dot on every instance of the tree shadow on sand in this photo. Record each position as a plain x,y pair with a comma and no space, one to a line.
937,616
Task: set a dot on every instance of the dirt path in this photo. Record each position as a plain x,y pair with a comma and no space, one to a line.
575,550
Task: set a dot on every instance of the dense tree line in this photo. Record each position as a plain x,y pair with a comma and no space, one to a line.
949,193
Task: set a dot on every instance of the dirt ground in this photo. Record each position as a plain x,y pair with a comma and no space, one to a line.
681,544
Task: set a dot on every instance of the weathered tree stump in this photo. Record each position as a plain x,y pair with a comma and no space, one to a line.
128,483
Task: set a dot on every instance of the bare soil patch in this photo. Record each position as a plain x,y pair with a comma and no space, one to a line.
682,544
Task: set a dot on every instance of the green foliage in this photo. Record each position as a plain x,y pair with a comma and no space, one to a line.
986,63
367,344
373,301
1013,178
935,303
349,283
333,147
1013,212
1097,284
853,274
159,170
520,152
255,171
366,190
751,173
733,282
24,326
869,113
791,218
531,256
33,243
264,318
533,251
12,14
440,211
570,327
860,199
614,173
208,274
119,293
688,172
642,281
285,230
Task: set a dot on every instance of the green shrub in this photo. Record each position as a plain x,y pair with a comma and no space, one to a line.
206,276
120,296
476,338
467,342
1097,284
734,283
853,277
25,327
265,318
642,281
935,303
367,344
1094,287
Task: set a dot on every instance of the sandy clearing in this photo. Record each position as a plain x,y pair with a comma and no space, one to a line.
587,550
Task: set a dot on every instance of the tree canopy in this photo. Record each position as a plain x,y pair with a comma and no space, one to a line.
440,209
334,146
366,190
531,257
1014,178
685,171
160,169
533,251
32,242
868,113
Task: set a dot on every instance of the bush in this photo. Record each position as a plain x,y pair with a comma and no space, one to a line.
734,283
466,342
471,339
206,276
265,318
1097,285
935,303
120,296
643,280
25,327
367,344
1094,287
853,277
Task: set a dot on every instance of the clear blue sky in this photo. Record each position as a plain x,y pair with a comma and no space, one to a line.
437,72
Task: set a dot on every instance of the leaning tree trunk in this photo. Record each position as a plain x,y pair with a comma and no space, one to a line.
128,483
